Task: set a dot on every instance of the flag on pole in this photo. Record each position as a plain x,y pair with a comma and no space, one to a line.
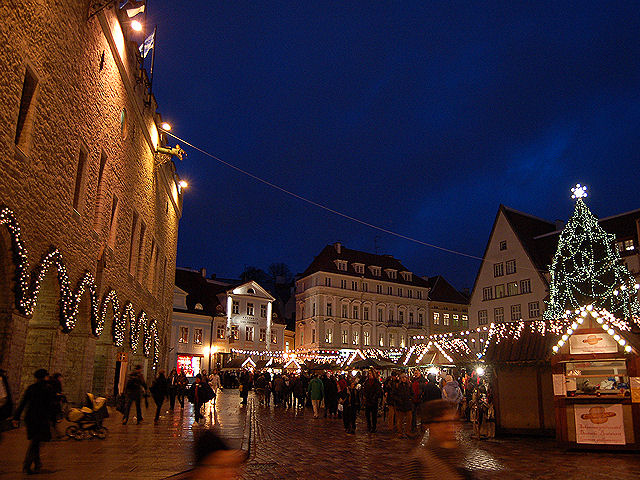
133,7
148,44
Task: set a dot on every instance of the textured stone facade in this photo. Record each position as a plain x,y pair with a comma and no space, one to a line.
80,172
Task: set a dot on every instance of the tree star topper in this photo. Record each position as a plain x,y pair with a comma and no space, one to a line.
579,191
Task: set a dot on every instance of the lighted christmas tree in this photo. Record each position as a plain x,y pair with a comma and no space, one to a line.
587,269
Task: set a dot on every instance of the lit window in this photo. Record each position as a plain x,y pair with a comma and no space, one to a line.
512,288
328,336
500,291
263,334
345,337
465,321
250,310
220,331
274,338
436,318
366,338
184,335
197,336
455,319
445,319
356,338
249,334
381,340
235,335
236,307
628,245
391,340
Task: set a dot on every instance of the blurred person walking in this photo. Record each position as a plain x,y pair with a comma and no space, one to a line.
134,389
316,393
172,386
159,389
403,406
372,392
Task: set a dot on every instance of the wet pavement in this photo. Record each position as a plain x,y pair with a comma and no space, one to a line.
292,444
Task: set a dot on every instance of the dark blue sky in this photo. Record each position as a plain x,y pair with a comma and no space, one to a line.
419,117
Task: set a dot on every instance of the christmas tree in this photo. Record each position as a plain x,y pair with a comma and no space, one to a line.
587,269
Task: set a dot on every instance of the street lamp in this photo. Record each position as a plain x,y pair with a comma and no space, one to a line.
136,25
165,126
183,184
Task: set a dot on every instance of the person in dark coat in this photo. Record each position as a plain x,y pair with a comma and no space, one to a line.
134,388
159,389
183,386
39,402
372,391
172,387
199,395
245,385
330,395
349,397
403,406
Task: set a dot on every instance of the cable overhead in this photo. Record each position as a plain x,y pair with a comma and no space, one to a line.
324,207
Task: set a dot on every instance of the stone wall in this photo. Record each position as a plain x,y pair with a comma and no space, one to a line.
86,79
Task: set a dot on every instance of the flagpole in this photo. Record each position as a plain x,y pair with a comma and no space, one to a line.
153,57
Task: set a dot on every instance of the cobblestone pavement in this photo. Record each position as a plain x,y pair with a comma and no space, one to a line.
145,451
293,445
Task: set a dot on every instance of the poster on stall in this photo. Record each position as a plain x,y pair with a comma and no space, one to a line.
592,343
599,424
559,385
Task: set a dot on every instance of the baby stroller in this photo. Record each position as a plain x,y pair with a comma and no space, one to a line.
88,419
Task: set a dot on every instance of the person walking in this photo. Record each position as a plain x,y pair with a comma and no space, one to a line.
183,386
403,406
39,402
390,387
451,392
199,394
245,385
316,393
372,391
418,386
134,389
214,383
172,386
330,395
349,397
159,389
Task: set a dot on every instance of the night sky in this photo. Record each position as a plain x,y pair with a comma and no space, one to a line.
419,117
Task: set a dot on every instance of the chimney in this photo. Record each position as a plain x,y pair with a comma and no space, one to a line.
203,272
559,225
338,247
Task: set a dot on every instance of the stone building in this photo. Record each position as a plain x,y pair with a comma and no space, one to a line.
90,209
513,281
448,308
212,320
348,299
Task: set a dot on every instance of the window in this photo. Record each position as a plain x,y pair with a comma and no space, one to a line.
381,314
465,321
345,311
445,319
455,319
391,340
365,313
355,312
378,288
515,312
345,337
220,331
376,271
392,274
628,245
401,317
399,292
313,335
328,335
329,309
525,286
503,245
401,341
410,293
511,266
534,310
184,335
356,338
407,276
263,334
420,319
249,334
81,173
263,311
498,315
113,222
250,310
365,287
436,318
132,244
354,285
141,260
381,340
498,269
198,306
358,267
487,293
390,316
366,338
26,115
197,336
389,290
342,265
327,281
482,317
500,291
410,318
274,338
313,309
302,337
419,292
343,283
235,332
512,288
235,307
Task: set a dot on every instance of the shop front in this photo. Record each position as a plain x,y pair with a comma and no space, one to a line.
596,386
189,363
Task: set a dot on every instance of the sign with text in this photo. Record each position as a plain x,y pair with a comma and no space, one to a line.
599,424
592,343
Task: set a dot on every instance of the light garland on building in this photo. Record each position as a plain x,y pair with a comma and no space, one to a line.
27,290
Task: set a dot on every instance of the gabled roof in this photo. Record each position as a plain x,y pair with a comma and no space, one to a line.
526,228
198,291
325,262
443,291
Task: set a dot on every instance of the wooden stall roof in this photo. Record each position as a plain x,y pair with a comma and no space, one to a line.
530,345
